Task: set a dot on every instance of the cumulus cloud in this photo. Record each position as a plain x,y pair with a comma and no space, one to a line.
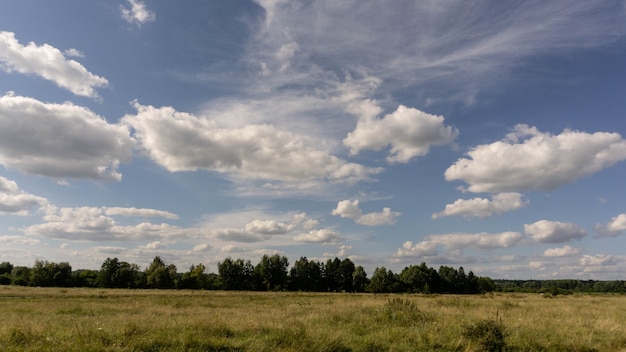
137,13
49,63
319,236
482,207
84,144
254,231
528,159
203,247
15,201
600,260
139,212
458,241
409,132
545,231
11,239
92,224
616,226
565,251
183,142
350,209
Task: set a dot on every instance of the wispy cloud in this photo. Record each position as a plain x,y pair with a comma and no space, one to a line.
137,13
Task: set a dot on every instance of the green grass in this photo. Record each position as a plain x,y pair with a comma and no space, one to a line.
52,319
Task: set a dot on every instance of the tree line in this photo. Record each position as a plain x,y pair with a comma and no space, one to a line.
271,273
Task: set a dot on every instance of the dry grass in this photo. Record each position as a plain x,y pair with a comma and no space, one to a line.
37,319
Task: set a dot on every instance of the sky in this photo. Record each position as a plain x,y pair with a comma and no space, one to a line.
482,134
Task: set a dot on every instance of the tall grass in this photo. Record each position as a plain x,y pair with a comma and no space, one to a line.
36,319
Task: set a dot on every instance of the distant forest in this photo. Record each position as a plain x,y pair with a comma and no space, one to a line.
272,273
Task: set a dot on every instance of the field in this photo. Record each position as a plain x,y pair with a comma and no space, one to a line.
56,319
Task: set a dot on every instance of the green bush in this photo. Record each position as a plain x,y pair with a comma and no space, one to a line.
489,334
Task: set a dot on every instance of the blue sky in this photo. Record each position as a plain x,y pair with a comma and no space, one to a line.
484,134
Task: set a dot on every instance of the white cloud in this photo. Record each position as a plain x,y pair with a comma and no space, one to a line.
139,212
21,240
482,207
458,241
442,57
600,260
528,159
616,226
269,227
17,202
565,251
138,13
84,144
350,209
319,236
91,224
409,132
545,231
49,63
203,247
73,52
183,142
155,245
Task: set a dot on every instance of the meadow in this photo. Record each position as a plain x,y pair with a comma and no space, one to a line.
75,319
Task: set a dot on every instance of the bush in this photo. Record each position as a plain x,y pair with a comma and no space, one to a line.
488,334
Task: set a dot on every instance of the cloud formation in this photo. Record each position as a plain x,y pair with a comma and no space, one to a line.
49,63
180,141
545,231
138,13
528,159
616,226
139,212
17,202
93,224
60,140
409,132
458,241
350,209
481,207
565,251
325,236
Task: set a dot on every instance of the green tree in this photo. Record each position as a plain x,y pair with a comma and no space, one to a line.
236,274
196,278
20,275
382,281
359,279
305,275
272,272
159,275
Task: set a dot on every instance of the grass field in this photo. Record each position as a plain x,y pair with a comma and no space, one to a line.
56,319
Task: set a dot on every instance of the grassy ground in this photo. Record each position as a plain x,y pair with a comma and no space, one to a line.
55,319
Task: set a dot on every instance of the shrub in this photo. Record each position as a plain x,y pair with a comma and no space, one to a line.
489,334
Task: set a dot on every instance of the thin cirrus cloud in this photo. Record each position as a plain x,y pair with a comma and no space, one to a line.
84,144
183,142
49,63
137,13
15,201
481,207
528,159
350,209
442,56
